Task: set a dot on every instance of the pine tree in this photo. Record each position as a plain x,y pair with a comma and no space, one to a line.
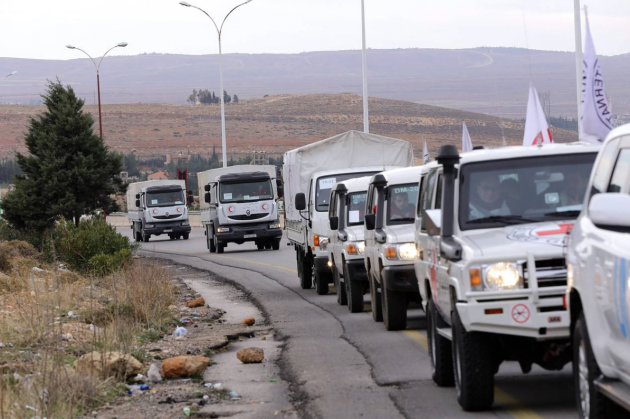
235,99
69,170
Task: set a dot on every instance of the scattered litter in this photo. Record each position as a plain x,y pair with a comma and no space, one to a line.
206,397
208,385
154,373
70,313
16,376
180,332
36,269
185,321
134,390
31,408
186,411
218,386
144,387
273,380
234,395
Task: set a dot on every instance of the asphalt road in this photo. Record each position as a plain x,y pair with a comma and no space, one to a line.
344,365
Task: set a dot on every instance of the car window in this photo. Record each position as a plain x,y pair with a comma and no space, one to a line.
356,208
621,174
420,194
427,197
604,167
325,184
332,211
438,193
401,203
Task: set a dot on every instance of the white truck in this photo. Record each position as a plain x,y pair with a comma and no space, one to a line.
346,247
390,250
309,174
158,207
491,268
598,294
240,205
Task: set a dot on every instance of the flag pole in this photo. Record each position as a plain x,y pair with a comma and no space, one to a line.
579,63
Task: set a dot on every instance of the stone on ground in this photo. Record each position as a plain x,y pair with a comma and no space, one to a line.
108,364
184,366
197,302
251,355
249,321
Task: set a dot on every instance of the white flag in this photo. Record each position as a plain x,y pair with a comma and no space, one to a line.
466,141
536,127
596,113
425,154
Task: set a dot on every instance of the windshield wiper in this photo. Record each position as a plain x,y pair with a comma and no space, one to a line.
508,219
569,213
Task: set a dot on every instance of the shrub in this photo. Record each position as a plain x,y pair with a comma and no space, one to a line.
9,233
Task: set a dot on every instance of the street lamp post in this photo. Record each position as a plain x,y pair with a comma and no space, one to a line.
366,116
98,78
219,32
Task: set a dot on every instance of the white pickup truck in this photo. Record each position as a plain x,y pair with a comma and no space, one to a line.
491,268
309,174
240,205
346,247
158,207
598,294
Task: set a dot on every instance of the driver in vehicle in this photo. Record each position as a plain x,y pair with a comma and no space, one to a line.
487,201
401,208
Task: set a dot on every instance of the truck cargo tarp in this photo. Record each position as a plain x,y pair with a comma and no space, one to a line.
350,149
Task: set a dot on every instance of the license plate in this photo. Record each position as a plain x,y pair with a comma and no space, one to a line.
170,230
249,236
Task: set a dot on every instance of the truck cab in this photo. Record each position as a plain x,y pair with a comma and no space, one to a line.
598,293
491,267
346,245
389,244
241,207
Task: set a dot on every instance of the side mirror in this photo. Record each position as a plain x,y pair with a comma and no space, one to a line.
137,196
206,188
206,197
610,210
137,203
433,221
300,201
370,221
334,223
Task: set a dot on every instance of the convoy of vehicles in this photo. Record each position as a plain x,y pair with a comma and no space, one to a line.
346,246
158,207
598,295
240,205
389,244
310,172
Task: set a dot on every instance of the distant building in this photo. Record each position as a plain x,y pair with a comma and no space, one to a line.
157,176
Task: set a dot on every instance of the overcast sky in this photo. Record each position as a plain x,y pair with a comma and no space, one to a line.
42,28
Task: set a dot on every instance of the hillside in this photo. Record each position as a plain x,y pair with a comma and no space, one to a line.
486,80
273,124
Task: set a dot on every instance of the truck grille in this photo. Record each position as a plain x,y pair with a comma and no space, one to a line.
550,273
247,217
167,217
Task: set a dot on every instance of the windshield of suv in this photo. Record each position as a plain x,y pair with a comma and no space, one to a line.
165,199
519,191
325,184
401,203
356,208
245,192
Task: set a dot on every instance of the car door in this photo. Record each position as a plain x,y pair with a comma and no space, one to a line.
370,243
333,238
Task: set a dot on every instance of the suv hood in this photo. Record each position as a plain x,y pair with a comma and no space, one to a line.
545,237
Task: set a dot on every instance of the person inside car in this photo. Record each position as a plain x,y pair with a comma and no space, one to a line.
486,200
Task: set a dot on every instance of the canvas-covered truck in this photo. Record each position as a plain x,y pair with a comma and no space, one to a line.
158,207
240,204
309,174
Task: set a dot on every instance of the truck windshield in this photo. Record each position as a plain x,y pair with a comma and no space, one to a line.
401,203
245,192
165,199
325,184
520,191
356,208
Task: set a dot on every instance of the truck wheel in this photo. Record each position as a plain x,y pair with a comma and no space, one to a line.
138,236
473,367
375,299
275,245
591,403
440,350
268,245
321,283
354,292
145,237
394,309
342,297
219,246
185,236
260,246
170,236
304,271
211,244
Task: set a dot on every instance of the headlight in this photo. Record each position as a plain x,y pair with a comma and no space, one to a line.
185,223
275,225
503,276
223,229
407,251
323,243
355,248
149,226
361,247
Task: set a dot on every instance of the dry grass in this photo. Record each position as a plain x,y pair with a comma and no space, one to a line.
49,317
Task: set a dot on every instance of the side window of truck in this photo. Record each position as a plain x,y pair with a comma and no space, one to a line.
438,193
427,198
620,181
421,191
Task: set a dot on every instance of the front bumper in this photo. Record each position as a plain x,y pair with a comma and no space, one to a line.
541,318
356,270
249,233
400,278
167,228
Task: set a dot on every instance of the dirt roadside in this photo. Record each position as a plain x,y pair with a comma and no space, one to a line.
227,387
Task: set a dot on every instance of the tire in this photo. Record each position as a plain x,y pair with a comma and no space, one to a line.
440,350
260,246
304,271
375,299
211,244
342,298
275,245
146,237
473,367
219,246
321,283
268,245
354,292
591,403
185,236
394,309
170,236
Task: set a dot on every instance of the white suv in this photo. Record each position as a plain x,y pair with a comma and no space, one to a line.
389,244
346,246
598,292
